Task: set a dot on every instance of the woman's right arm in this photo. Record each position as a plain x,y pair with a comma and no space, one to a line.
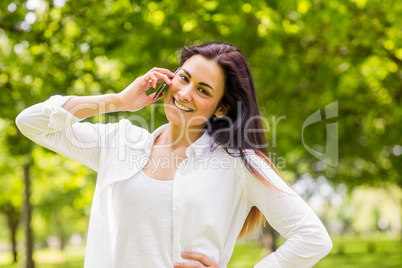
51,126
53,123
132,98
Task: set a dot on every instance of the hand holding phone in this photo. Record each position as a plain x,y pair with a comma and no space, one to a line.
163,87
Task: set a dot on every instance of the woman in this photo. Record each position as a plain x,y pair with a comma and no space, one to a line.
180,196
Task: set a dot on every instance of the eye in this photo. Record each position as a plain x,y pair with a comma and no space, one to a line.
184,78
203,91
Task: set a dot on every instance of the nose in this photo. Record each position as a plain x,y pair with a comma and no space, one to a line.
185,93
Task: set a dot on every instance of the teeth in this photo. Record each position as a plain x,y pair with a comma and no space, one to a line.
181,107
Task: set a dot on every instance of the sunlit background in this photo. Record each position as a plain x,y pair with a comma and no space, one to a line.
305,55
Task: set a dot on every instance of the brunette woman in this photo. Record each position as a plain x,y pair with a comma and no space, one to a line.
181,195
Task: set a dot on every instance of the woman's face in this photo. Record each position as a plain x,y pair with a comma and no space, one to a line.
195,93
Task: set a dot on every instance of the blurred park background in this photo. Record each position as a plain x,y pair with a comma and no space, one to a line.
305,55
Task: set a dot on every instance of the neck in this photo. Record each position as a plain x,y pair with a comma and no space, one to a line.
179,137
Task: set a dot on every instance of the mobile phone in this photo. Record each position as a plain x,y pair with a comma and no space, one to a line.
163,87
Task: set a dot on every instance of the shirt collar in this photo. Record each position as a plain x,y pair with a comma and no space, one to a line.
196,149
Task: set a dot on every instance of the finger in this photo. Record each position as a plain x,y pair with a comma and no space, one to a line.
198,257
164,78
164,71
152,80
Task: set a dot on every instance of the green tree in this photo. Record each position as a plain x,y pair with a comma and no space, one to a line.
11,190
304,55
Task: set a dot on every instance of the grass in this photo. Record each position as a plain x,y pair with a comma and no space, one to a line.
358,252
49,258
348,252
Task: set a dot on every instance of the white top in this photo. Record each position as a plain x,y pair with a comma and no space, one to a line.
213,192
143,209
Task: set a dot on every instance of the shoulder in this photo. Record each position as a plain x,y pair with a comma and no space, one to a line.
251,156
123,131
255,159
132,133
126,125
122,126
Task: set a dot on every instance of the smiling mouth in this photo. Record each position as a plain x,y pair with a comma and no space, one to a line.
181,107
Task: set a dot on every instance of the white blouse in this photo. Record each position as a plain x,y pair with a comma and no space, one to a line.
212,193
144,229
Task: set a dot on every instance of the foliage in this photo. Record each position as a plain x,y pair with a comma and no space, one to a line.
304,56
63,191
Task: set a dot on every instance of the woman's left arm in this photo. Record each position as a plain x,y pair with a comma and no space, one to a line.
307,239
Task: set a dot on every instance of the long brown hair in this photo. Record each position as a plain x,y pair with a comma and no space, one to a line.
240,101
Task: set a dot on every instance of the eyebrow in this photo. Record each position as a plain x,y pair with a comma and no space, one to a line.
189,75
201,83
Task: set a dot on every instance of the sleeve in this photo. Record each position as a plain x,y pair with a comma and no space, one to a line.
51,126
307,240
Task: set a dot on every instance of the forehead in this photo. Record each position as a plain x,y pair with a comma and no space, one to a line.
204,70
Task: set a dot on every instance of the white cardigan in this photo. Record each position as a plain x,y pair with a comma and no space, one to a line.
212,191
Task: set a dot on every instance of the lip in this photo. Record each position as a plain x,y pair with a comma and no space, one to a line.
177,108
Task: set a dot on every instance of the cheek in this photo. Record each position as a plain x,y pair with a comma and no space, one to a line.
208,107
173,88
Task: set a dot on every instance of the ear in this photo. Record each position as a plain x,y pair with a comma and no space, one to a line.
221,111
